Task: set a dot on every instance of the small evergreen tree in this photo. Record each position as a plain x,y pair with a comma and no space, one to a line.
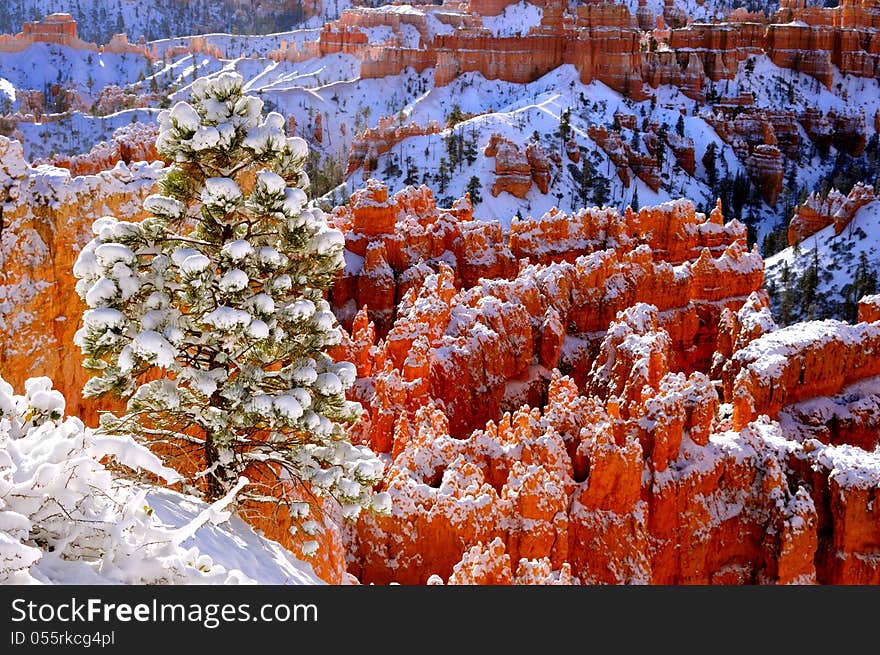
412,172
452,149
455,116
587,173
217,300
474,186
564,125
808,286
710,164
442,175
470,147
789,294
864,284
636,141
679,126
635,199
601,191
740,191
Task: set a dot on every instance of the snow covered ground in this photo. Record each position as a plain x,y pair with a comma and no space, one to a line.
515,20
66,517
838,257
518,112
240,45
43,64
233,544
76,133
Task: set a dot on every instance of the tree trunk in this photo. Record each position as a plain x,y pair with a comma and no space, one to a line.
218,475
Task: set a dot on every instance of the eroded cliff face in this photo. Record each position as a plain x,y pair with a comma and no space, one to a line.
606,43
47,216
835,209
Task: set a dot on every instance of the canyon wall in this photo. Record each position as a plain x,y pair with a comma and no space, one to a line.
604,42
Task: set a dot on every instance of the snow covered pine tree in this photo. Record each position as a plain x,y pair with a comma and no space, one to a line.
217,299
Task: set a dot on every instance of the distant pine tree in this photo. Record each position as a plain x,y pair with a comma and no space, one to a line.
474,186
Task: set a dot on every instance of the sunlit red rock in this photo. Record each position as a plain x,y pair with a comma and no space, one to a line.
816,213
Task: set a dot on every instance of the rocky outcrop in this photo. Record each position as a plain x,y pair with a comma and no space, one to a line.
516,59
806,360
753,138
369,144
60,29
645,17
592,398
130,143
393,242
683,150
764,165
609,490
629,470
625,158
517,169
801,47
816,213
674,232
846,130
513,351
869,309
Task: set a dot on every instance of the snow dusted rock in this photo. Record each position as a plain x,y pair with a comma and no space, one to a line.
869,309
539,166
816,213
804,360
513,170
737,329
392,242
131,143
616,499
371,143
630,470
490,564
764,165
643,474
625,158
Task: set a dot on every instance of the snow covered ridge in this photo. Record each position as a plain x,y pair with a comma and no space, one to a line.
68,518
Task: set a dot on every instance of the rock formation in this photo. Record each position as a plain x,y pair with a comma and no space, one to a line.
60,29
816,212
500,467
625,158
369,144
130,143
47,216
517,169
594,398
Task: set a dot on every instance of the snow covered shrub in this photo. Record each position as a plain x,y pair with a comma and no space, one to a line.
217,299
65,517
